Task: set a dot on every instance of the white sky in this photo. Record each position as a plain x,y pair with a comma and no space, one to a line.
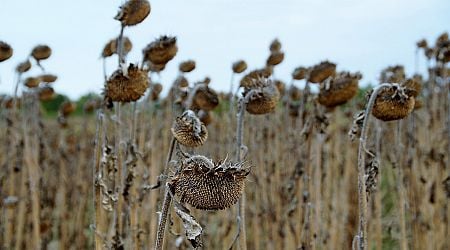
364,35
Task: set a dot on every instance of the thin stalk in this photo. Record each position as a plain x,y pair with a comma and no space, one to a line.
303,103
401,189
96,177
30,129
241,233
120,46
166,202
121,171
232,96
105,77
362,196
378,205
241,203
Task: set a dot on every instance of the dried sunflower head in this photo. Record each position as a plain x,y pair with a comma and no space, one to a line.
23,66
295,93
422,44
181,82
187,66
394,103
299,73
239,66
161,51
321,71
263,97
91,105
48,78
275,58
7,102
5,51
281,86
41,52
126,88
112,46
188,130
338,90
209,185
32,82
46,93
66,108
205,98
275,45
156,89
133,12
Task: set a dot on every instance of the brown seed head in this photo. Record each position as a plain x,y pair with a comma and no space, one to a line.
205,98
67,108
181,82
422,44
5,51
133,12
209,185
46,93
156,89
393,103
295,93
91,105
275,45
121,88
299,73
41,52
442,38
263,98
23,66
281,86
32,82
239,66
430,53
275,58
112,46
188,130
338,90
48,78
161,51
322,71
7,102
187,66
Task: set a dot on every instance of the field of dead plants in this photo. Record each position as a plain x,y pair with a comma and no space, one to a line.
318,162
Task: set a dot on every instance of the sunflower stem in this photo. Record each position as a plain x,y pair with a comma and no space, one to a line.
362,196
166,203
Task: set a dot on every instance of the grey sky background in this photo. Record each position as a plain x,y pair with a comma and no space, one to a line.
359,35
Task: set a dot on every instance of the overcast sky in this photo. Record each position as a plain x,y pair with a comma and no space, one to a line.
359,35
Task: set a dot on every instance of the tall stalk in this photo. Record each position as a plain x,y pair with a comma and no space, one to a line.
401,188
362,196
166,202
96,178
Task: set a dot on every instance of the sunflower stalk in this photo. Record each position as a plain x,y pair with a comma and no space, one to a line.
241,233
166,202
361,237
